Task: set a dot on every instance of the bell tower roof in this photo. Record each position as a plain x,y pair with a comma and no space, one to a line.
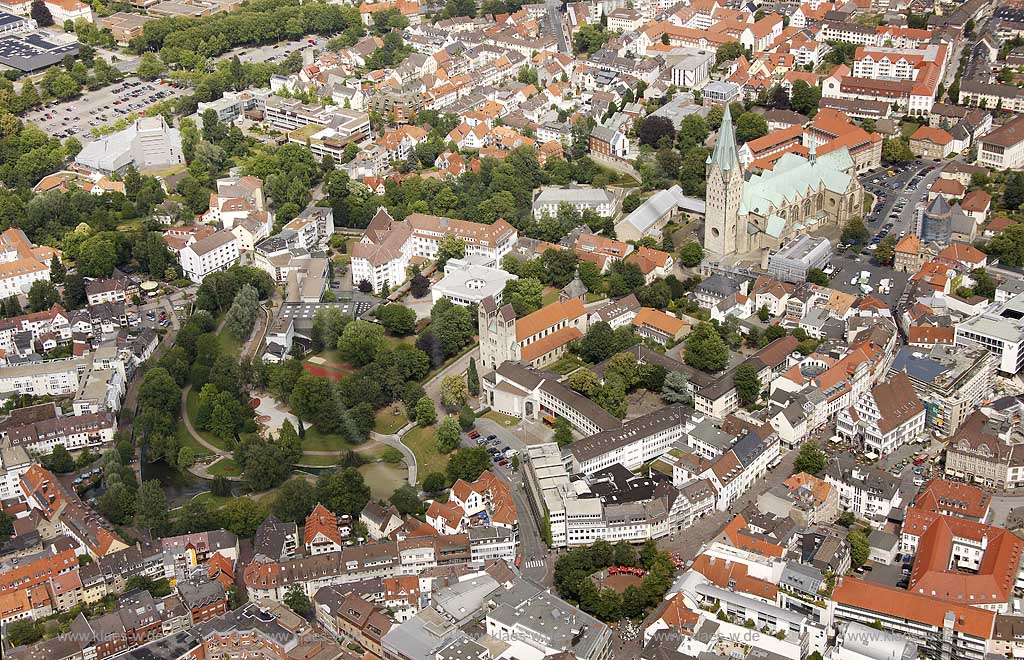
726,155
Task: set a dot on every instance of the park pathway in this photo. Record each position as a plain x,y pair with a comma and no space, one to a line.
395,440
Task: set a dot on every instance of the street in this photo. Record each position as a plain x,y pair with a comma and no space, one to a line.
555,23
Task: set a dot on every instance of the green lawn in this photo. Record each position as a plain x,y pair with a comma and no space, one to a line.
225,467
185,439
594,297
392,342
501,418
317,441
191,406
566,364
387,421
549,296
229,343
424,445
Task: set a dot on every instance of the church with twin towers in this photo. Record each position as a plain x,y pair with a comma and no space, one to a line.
748,213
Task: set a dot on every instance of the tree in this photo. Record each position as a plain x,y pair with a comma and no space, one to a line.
297,600
472,379
42,296
343,491
693,132
691,254
860,548
705,349
295,500
728,51
896,150
397,319
426,413
360,341
6,525
74,291
151,511
854,232
241,317
563,432
748,385
846,519
676,388
805,98
24,631
886,250
750,126
466,418
817,276
40,13
468,464
589,39
407,500
150,67
328,324
810,458
559,266
653,129
57,270
524,294
434,482
454,392
624,278
984,285
419,285
449,247
448,435
59,460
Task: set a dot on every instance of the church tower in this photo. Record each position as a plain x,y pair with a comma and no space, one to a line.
724,189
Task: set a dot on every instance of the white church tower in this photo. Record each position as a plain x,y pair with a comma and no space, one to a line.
724,190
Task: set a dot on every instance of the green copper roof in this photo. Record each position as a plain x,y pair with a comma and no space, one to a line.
725,156
794,177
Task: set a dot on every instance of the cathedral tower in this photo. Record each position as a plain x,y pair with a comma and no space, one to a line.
724,190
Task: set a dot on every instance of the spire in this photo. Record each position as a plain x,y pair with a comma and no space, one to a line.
726,155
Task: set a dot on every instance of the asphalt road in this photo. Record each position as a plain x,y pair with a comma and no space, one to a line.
535,563
100,107
555,23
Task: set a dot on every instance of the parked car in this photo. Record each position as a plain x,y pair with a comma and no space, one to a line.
473,433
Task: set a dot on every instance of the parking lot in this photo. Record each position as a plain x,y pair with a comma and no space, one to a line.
102,107
276,52
853,265
898,191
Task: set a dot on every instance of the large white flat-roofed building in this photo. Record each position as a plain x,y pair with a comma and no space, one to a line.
218,251
467,283
580,198
1003,148
791,263
692,68
147,143
999,330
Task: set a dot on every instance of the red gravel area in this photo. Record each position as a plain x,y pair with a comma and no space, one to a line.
254,403
318,370
618,582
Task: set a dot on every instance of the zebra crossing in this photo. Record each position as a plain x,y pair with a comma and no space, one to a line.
534,563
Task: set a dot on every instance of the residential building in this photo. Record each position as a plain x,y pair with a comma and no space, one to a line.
22,263
467,283
216,252
870,493
1003,148
580,198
